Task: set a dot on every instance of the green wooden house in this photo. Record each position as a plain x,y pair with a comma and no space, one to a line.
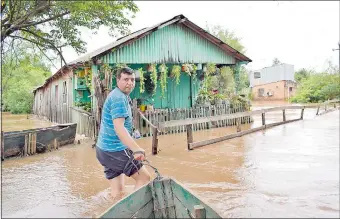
174,42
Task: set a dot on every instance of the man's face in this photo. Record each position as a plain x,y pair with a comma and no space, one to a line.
126,83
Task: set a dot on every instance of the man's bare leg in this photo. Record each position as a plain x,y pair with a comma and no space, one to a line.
142,178
117,187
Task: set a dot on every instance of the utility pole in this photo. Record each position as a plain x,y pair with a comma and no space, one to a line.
339,53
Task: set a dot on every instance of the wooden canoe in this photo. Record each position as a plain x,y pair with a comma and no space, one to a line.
39,140
165,198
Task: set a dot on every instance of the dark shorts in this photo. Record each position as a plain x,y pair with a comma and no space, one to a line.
116,163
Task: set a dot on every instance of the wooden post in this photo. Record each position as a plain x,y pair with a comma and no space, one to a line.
2,146
55,144
154,141
263,119
302,113
284,115
34,143
29,149
317,111
200,211
26,145
238,124
189,136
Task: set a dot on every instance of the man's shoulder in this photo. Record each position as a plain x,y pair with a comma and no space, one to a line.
116,95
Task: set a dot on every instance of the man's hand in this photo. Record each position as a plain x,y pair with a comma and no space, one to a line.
139,154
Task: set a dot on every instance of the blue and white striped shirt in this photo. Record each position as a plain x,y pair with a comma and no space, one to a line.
115,106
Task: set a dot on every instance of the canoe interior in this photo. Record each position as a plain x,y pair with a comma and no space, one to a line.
161,199
14,141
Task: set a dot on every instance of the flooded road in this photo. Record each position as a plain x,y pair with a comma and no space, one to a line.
290,170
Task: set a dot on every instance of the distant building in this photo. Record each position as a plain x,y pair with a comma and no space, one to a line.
273,83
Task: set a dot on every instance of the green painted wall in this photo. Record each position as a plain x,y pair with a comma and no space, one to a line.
171,44
182,95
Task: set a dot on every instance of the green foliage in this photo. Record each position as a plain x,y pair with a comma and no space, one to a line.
85,105
301,75
176,72
153,75
49,25
142,80
163,79
318,88
226,36
21,73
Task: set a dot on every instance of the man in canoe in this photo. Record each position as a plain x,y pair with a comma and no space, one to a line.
115,146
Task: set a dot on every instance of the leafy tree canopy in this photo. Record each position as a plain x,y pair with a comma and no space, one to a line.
51,25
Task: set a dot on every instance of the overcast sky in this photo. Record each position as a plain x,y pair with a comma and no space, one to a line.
299,33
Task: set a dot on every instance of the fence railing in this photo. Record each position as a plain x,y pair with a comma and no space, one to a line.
85,122
165,115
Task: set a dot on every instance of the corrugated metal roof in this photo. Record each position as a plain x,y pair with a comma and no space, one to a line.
143,32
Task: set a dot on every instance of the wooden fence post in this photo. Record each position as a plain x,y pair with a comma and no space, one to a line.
302,113
154,141
238,121
284,115
263,119
189,136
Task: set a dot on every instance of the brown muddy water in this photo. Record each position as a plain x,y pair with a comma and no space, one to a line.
290,170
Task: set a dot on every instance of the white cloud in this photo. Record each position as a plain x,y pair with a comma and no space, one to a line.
298,33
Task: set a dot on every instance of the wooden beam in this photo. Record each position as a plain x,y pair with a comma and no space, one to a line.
302,110
263,119
239,134
284,115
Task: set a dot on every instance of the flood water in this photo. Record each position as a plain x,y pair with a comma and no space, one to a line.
290,170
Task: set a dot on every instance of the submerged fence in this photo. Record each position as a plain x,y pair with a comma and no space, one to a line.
163,115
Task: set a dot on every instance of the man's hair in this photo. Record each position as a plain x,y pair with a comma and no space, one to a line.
125,70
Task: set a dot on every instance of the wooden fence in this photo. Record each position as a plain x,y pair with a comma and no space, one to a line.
163,115
85,122
191,122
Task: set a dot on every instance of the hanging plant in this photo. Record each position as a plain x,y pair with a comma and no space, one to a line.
153,75
142,80
176,72
163,77
211,68
187,69
194,71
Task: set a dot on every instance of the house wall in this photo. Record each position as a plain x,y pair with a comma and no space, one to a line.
281,90
171,44
53,101
272,74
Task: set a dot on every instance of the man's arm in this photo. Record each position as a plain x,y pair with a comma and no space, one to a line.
124,135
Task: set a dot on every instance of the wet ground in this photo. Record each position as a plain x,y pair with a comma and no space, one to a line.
290,170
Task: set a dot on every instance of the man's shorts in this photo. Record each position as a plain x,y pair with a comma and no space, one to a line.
116,163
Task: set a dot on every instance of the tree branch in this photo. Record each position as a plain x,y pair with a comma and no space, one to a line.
49,42
43,21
